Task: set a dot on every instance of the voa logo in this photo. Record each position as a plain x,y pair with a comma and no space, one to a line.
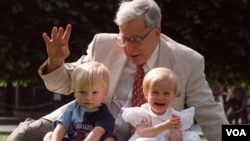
236,132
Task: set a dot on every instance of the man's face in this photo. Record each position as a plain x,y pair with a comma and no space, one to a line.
140,52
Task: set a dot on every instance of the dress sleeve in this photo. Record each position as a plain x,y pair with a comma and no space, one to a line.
187,117
135,115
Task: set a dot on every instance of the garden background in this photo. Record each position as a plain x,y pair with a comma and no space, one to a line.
217,29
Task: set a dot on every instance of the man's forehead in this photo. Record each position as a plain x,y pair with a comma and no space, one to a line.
131,32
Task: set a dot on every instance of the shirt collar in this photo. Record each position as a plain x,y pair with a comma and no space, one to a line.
152,60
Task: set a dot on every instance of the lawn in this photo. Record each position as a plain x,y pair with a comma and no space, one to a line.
203,138
3,136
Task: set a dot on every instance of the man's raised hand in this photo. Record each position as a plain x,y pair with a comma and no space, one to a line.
57,46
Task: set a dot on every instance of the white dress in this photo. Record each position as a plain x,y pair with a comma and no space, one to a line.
134,115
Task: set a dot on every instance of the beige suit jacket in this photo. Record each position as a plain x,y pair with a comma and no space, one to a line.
185,62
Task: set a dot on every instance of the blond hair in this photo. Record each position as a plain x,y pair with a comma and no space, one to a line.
89,75
158,74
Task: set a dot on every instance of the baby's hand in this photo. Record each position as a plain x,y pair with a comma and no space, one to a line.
176,121
173,123
173,116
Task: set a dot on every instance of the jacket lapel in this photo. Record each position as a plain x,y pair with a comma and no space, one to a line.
166,57
118,62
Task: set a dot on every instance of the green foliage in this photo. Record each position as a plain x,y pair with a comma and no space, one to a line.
215,28
22,47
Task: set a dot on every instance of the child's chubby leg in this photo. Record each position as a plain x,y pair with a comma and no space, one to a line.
48,136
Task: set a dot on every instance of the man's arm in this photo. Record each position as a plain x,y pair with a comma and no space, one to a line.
209,114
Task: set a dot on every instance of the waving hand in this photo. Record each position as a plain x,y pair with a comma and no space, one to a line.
57,46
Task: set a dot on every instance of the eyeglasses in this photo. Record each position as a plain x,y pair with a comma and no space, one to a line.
135,41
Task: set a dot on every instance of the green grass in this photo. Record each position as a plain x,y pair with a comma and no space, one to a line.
3,136
203,138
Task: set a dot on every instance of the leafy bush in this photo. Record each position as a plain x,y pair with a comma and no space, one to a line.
217,29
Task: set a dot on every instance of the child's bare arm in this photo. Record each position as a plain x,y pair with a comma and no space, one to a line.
95,134
59,132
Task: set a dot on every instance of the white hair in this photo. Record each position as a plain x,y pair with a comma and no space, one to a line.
130,10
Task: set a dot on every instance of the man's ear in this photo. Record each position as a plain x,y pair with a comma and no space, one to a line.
158,31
